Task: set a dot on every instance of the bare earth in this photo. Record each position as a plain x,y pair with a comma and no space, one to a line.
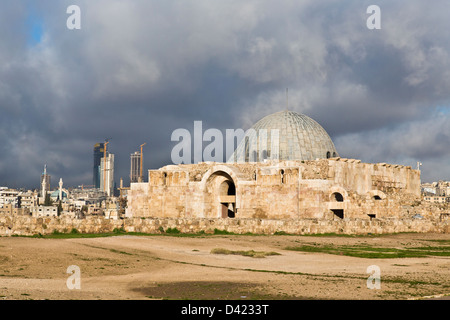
168,267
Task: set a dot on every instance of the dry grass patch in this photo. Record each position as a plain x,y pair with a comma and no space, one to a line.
248,253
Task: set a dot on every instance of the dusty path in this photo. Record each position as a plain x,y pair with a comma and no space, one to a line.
155,267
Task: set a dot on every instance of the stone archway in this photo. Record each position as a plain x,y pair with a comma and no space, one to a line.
337,199
337,202
220,195
227,199
376,195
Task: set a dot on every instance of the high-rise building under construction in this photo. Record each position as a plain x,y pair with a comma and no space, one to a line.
135,170
98,155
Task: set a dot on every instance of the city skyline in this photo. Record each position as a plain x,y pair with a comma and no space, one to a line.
136,71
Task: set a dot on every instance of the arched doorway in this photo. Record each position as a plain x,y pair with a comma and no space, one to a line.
227,194
220,196
336,199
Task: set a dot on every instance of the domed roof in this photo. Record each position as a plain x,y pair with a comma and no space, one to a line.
285,135
55,194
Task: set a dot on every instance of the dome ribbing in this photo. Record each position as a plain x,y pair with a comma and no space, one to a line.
285,135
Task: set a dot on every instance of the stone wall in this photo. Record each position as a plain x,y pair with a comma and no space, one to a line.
290,226
27,225
277,190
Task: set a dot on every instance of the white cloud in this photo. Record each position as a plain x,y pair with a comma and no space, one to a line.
425,140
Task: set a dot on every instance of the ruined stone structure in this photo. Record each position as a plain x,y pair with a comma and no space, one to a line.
322,189
308,180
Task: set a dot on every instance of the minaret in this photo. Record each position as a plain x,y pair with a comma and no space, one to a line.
43,189
45,182
60,188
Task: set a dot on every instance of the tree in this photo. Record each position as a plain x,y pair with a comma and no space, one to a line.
60,208
48,201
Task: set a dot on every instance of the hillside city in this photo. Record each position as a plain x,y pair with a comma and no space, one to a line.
102,198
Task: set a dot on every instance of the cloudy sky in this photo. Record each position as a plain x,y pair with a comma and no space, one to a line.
137,70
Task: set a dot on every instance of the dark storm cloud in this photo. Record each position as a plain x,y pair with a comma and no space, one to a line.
137,70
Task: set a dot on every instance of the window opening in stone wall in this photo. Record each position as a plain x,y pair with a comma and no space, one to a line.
337,197
228,208
338,213
282,176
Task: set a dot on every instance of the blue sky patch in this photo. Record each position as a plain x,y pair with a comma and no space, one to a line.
443,109
35,28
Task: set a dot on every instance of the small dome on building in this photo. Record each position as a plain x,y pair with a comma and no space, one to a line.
285,135
55,195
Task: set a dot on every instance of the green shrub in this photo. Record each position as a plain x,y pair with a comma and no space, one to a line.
217,231
39,235
248,253
119,230
173,231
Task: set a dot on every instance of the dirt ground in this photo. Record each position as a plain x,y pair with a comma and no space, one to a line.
168,267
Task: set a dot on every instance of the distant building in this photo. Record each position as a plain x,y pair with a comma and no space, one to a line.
98,155
27,199
135,170
435,190
58,195
11,210
107,174
429,188
44,211
9,196
17,199
437,199
90,196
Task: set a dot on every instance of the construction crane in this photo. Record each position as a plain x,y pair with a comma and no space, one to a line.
140,173
86,186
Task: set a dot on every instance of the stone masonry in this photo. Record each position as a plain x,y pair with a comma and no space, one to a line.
321,189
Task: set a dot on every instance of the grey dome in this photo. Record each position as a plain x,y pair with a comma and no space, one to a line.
285,135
